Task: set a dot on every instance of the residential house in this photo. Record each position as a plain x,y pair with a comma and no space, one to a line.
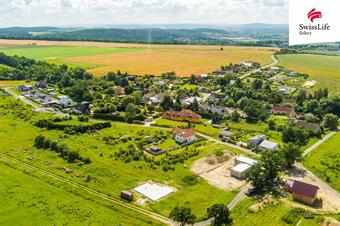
281,110
149,95
283,90
184,136
65,101
267,145
247,64
256,140
24,88
303,192
41,84
119,90
225,134
189,101
184,115
84,108
214,109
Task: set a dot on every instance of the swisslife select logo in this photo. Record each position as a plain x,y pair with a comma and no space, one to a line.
314,21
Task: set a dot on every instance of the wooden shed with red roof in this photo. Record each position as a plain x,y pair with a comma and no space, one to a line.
303,192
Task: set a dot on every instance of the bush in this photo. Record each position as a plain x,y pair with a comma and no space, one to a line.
190,179
293,215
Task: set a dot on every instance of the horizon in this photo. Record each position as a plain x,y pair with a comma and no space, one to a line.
59,13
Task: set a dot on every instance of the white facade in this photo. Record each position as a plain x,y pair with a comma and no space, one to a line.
240,170
242,159
184,140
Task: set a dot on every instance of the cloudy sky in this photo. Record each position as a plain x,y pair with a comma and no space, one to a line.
106,12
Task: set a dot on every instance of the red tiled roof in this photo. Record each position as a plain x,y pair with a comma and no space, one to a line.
185,132
302,188
281,108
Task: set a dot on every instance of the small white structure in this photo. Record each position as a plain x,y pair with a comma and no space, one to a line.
284,90
191,100
154,191
240,170
243,159
247,64
268,145
204,75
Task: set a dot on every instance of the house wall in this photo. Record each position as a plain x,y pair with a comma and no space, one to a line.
302,198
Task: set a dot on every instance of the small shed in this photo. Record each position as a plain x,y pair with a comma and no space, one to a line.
240,170
126,195
154,150
303,192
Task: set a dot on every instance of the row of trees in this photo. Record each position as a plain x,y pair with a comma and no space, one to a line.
218,213
62,149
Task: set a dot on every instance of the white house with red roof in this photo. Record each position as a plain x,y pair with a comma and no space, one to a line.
184,136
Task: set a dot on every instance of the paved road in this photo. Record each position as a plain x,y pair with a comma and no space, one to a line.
245,150
91,191
311,148
264,67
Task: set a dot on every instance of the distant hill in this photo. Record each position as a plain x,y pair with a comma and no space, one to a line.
251,34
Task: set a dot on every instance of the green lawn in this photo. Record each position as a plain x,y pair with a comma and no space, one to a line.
109,174
324,69
28,198
270,215
59,54
324,161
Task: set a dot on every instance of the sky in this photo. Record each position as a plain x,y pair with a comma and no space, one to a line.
111,12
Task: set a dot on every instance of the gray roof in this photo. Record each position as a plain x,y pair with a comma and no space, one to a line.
268,144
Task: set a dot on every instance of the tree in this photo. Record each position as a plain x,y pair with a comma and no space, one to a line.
331,121
257,84
271,124
220,215
166,104
266,172
131,111
235,116
182,215
291,153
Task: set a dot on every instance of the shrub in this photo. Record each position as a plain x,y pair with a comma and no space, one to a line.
293,215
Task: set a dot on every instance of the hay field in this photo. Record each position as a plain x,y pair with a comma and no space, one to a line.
324,69
138,59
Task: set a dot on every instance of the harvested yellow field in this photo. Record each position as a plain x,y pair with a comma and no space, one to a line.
183,61
139,59
6,83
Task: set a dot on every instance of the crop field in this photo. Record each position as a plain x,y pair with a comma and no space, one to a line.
325,70
324,161
110,174
138,59
30,198
9,83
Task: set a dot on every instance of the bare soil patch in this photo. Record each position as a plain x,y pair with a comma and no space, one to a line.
216,170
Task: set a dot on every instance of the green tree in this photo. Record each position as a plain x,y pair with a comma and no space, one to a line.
265,173
235,116
291,153
166,104
331,121
257,84
182,215
220,215
131,111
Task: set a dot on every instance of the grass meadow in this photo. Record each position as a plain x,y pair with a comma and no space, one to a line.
29,198
324,161
138,59
109,174
325,70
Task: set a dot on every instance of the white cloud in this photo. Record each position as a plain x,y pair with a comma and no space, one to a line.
69,12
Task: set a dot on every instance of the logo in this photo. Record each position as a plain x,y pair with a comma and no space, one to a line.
312,15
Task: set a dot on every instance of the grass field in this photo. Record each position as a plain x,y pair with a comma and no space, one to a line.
138,59
110,175
32,199
270,215
324,161
324,69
